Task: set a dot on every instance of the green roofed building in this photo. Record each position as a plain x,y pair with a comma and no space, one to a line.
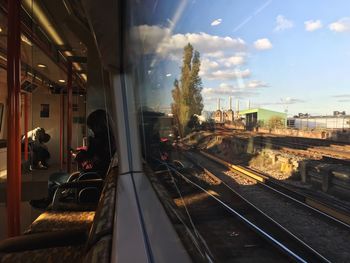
263,118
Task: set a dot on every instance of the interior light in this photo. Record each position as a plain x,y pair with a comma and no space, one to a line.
44,21
49,27
61,80
26,40
41,65
68,53
84,76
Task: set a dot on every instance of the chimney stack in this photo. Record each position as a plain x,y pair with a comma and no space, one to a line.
218,103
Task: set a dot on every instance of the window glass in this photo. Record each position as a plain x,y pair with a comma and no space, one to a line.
261,84
261,66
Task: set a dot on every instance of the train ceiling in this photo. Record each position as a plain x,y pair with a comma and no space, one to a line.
47,42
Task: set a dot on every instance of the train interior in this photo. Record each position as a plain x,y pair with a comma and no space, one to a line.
116,144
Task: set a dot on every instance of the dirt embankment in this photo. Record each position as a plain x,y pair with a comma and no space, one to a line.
244,151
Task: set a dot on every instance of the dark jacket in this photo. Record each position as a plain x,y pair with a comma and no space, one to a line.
101,147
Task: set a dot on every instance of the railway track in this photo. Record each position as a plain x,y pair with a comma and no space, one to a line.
318,150
325,209
311,221
259,222
339,151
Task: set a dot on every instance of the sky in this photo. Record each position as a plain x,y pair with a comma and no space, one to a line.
282,55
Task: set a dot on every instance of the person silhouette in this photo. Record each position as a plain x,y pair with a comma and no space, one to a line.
95,157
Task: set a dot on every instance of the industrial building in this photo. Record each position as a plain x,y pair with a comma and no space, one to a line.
339,120
222,116
260,117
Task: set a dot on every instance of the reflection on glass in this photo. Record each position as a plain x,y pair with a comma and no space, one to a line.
261,86
259,57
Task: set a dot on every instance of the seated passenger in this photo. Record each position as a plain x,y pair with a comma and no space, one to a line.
95,158
39,154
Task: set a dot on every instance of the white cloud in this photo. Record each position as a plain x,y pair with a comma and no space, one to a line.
225,67
233,60
342,96
342,25
290,100
203,42
206,91
216,22
283,23
208,65
229,74
312,25
263,44
256,84
220,56
159,40
225,89
284,101
215,54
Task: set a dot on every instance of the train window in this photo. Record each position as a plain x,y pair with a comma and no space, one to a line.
45,111
246,88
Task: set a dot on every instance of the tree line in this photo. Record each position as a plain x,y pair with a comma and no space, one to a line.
187,97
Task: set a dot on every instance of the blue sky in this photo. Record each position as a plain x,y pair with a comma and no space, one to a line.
277,54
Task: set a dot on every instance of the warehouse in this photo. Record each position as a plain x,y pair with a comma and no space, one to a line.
335,121
261,117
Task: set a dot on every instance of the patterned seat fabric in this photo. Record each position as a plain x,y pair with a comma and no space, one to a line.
104,217
98,246
100,252
61,220
51,255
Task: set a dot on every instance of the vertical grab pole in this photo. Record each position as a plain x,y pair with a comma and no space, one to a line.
13,119
61,129
25,97
69,116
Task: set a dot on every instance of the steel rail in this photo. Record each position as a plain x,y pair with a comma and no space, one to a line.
309,254
315,205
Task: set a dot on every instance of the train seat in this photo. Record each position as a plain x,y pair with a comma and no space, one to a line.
61,220
60,242
65,216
